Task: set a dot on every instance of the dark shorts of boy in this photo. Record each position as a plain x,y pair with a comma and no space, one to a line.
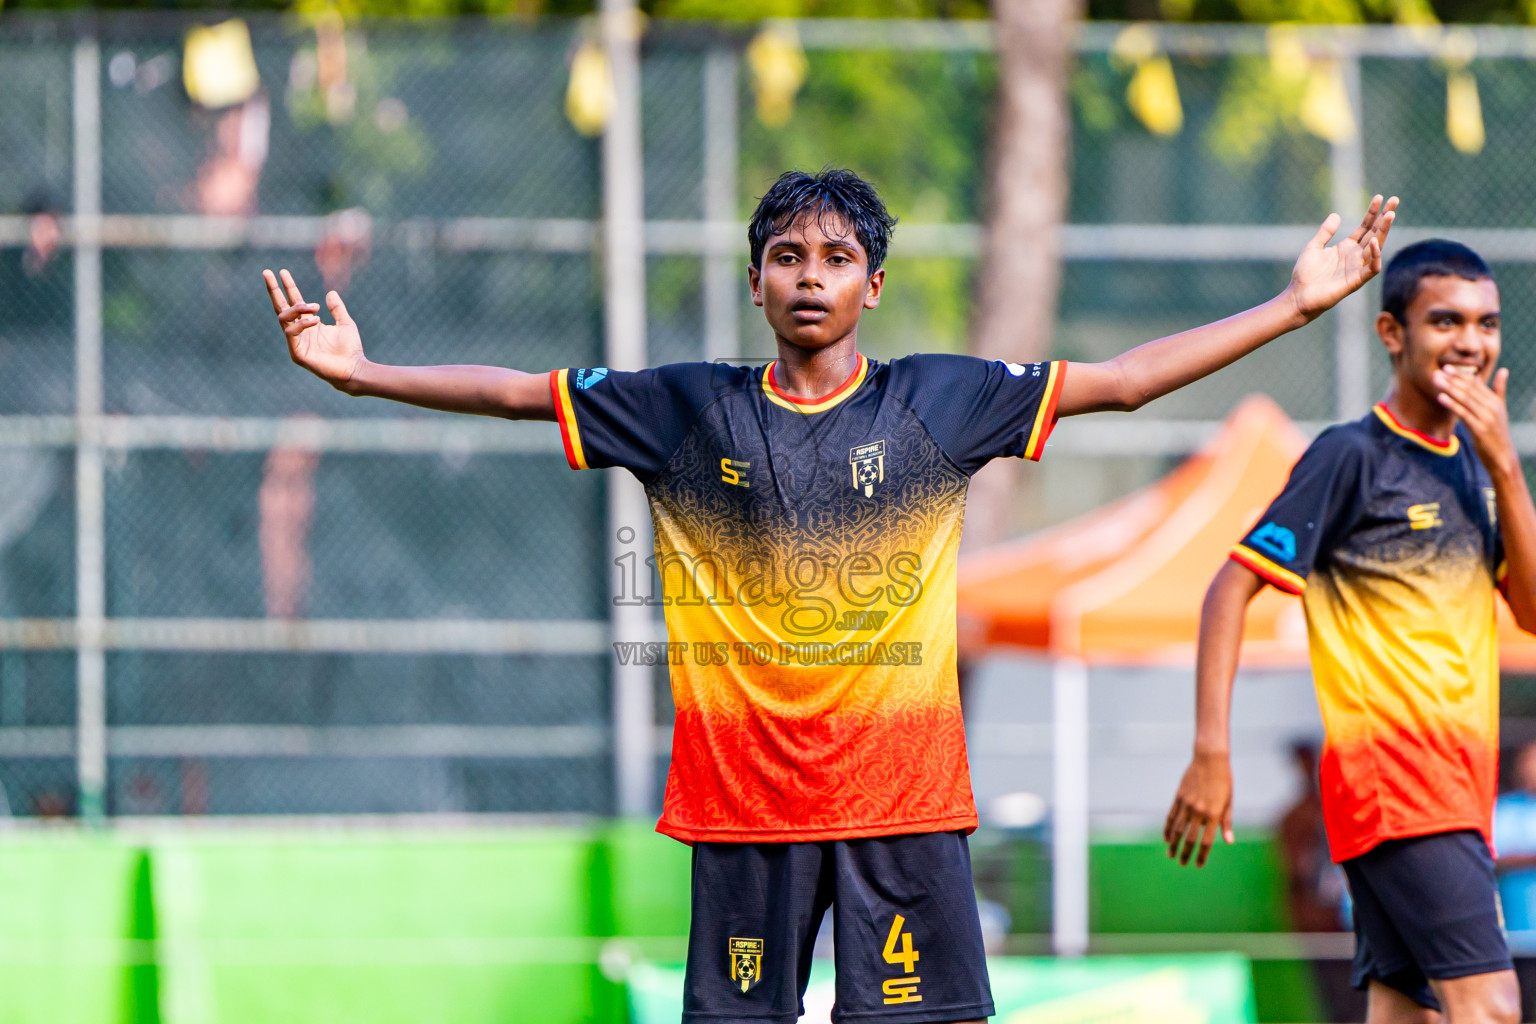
905,930
1426,908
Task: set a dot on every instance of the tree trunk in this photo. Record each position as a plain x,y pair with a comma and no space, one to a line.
1026,202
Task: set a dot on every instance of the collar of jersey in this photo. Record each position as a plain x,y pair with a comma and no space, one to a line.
1434,444
778,397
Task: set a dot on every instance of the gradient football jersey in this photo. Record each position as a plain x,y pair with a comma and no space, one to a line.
807,556
1390,536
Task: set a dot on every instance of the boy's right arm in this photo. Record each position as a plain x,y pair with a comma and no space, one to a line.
1204,800
334,353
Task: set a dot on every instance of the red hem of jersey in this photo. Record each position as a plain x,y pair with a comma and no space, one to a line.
1364,846
835,392
565,434
810,835
1263,574
1050,409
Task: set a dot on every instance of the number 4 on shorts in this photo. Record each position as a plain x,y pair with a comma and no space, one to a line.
901,990
906,956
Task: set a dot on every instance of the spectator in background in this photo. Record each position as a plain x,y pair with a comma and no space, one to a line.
1314,884
228,179
1514,836
44,232
287,510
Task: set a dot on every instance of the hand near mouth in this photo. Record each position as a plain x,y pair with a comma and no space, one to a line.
1482,408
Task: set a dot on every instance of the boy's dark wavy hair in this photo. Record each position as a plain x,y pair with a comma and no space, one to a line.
840,193
1433,257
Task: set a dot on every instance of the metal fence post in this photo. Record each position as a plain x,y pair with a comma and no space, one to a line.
634,712
722,273
1069,811
1352,319
90,552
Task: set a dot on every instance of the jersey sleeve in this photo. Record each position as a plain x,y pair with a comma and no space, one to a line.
981,409
1316,506
634,420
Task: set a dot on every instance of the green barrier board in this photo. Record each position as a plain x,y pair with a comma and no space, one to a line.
389,929
1203,989
76,931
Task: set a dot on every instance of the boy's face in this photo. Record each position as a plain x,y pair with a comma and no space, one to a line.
815,281
1452,323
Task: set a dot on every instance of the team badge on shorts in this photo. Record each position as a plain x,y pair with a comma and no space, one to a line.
868,461
746,961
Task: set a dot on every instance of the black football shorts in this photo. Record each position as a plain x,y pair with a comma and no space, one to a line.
905,928
1425,907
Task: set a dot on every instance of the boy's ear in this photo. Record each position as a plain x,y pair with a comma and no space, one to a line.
873,288
755,283
1392,334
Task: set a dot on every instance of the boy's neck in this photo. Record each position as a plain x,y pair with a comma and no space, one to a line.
1420,412
812,373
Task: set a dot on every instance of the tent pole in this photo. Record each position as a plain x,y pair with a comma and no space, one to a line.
1069,829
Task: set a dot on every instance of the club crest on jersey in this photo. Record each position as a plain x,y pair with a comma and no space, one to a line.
746,962
868,461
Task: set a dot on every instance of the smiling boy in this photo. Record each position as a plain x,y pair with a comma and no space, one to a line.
807,516
1396,529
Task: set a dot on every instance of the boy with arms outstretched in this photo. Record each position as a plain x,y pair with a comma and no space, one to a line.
807,516
1396,529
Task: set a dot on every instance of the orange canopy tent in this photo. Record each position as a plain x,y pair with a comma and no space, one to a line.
1124,584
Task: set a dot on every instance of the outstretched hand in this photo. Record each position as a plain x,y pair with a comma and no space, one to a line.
1324,274
331,352
1202,807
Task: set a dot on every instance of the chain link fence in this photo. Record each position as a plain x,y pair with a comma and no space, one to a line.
314,604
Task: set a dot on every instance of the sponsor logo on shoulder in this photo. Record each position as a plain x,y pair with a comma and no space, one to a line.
587,378
1020,369
1275,541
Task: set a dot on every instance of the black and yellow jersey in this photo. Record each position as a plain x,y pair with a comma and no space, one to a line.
1391,538
807,551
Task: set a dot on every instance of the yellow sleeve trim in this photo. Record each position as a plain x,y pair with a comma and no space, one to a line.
1272,573
565,412
1045,415
1502,572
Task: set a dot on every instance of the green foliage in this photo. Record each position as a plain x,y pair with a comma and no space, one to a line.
1316,11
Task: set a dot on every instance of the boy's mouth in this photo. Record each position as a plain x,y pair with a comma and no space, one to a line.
1465,369
808,310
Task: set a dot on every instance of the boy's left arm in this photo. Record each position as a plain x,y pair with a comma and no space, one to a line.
1322,276
1481,407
